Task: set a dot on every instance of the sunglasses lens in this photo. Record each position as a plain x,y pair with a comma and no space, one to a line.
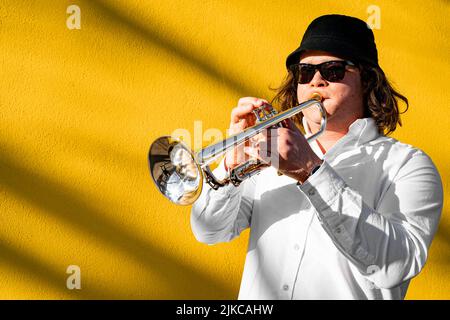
305,74
333,71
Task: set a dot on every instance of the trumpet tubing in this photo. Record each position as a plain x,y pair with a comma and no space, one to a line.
178,172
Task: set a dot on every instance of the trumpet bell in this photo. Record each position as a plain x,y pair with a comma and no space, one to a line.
175,170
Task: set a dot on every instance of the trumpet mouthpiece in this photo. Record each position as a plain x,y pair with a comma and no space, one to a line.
316,96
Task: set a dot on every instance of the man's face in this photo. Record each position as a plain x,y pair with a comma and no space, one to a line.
343,100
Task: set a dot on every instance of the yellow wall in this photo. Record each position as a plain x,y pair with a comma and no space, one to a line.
79,109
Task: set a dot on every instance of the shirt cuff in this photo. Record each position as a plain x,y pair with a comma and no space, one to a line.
323,187
220,173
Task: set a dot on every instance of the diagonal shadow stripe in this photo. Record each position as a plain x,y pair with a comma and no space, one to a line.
26,263
70,206
152,35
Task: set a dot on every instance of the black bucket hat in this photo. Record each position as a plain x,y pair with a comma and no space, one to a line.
344,36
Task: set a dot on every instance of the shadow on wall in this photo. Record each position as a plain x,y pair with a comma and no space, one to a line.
155,36
68,205
26,263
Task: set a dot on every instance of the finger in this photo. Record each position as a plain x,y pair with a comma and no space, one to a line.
260,136
241,111
252,152
245,107
256,154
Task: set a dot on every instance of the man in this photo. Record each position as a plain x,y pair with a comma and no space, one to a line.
354,213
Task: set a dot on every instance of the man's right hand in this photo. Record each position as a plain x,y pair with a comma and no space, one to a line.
242,117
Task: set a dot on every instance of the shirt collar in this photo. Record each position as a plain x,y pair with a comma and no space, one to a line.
359,132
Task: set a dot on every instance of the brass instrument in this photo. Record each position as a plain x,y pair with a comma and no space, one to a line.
178,172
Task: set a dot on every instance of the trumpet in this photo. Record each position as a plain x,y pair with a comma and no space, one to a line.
178,172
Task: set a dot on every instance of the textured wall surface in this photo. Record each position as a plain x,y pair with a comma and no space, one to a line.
79,109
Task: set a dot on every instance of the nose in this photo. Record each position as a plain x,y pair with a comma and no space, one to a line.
318,81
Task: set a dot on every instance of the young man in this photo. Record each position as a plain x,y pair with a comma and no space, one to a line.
354,213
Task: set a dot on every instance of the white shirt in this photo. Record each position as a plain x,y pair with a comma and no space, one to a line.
359,228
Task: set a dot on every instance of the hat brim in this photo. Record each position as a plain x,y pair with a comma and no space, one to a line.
340,48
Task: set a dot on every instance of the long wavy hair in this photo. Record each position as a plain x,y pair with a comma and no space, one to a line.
381,100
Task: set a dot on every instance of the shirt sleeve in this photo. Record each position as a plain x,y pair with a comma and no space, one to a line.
388,244
221,215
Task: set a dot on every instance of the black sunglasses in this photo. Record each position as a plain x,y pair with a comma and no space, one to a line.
332,71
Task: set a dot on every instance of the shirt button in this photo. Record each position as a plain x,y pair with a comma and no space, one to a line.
296,247
338,230
285,287
311,192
